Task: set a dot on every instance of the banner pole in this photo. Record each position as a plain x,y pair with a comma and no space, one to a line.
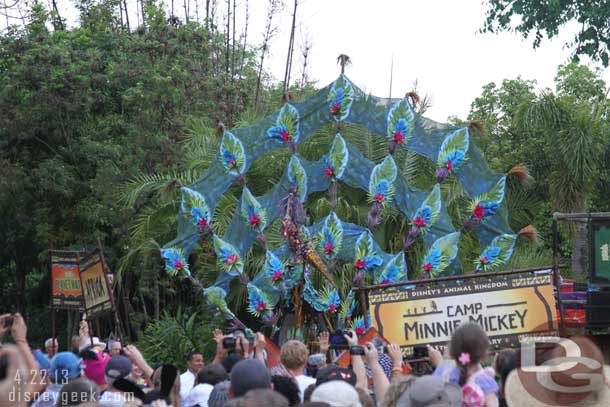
557,276
117,321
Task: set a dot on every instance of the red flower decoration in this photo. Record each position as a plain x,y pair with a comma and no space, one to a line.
332,308
334,109
202,223
386,281
328,172
285,136
359,331
360,264
254,220
379,198
399,138
328,248
478,212
449,165
232,164
484,260
232,258
427,266
419,222
277,275
261,306
178,265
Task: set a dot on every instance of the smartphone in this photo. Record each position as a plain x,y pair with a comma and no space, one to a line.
8,322
420,351
337,339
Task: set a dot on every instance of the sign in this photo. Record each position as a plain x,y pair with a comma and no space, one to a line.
601,251
66,292
507,309
96,294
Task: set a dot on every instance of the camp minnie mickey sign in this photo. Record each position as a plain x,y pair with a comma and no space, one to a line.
507,309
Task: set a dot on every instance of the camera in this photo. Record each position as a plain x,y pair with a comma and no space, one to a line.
228,342
8,322
356,350
337,339
420,352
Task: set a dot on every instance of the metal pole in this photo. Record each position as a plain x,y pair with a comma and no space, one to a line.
556,275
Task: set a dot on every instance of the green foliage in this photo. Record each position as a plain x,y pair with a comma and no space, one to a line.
549,17
174,335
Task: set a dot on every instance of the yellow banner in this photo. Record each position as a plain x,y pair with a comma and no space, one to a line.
95,286
506,309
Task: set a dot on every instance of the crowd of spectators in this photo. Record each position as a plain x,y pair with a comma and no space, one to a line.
94,373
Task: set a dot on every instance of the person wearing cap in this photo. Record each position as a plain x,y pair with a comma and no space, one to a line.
431,391
92,352
65,367
246,375
293,357
337,393
118,367
207,378
77,392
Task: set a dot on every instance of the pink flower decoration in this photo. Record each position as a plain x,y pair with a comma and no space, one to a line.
334,109
255,220
328,172
202,223
464,358
419,222
360,264
285,136
449,165
359,331
178,265
478,212
232,258
399,138
328,248
427,266
261,306
332,308
277,275
379,198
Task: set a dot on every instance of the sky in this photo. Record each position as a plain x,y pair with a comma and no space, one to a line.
433,42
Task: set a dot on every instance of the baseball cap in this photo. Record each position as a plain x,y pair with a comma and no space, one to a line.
65,366
117,367
431,391
337,393
249,374
332,372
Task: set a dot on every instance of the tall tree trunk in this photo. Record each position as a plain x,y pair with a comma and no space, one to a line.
243,53
580,242
187,10
228,37
290,49
269,30
126,14
305,52
57,23
234,42
172,8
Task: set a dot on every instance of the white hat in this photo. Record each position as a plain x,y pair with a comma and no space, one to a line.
95,341
337,393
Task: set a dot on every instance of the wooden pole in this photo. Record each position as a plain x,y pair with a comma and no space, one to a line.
117,322
556,275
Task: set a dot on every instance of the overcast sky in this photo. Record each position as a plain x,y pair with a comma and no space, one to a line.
432,41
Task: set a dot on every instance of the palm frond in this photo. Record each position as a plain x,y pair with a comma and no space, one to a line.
129,192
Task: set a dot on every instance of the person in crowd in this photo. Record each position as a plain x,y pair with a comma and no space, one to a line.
287,387
263,397
429,391
65,368
337,393
207,378
315,404
246,375
77,392
504,363
118,367
397,387
194,363
137,376
166,382
115,348
293,357
469,345
51,346
307,392
220,394
19,372
95,360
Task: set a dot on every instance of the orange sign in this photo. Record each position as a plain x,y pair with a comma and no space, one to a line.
65,280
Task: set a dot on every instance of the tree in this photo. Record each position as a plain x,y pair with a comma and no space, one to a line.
549,17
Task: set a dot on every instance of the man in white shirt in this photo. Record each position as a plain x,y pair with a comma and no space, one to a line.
293,357
187,379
